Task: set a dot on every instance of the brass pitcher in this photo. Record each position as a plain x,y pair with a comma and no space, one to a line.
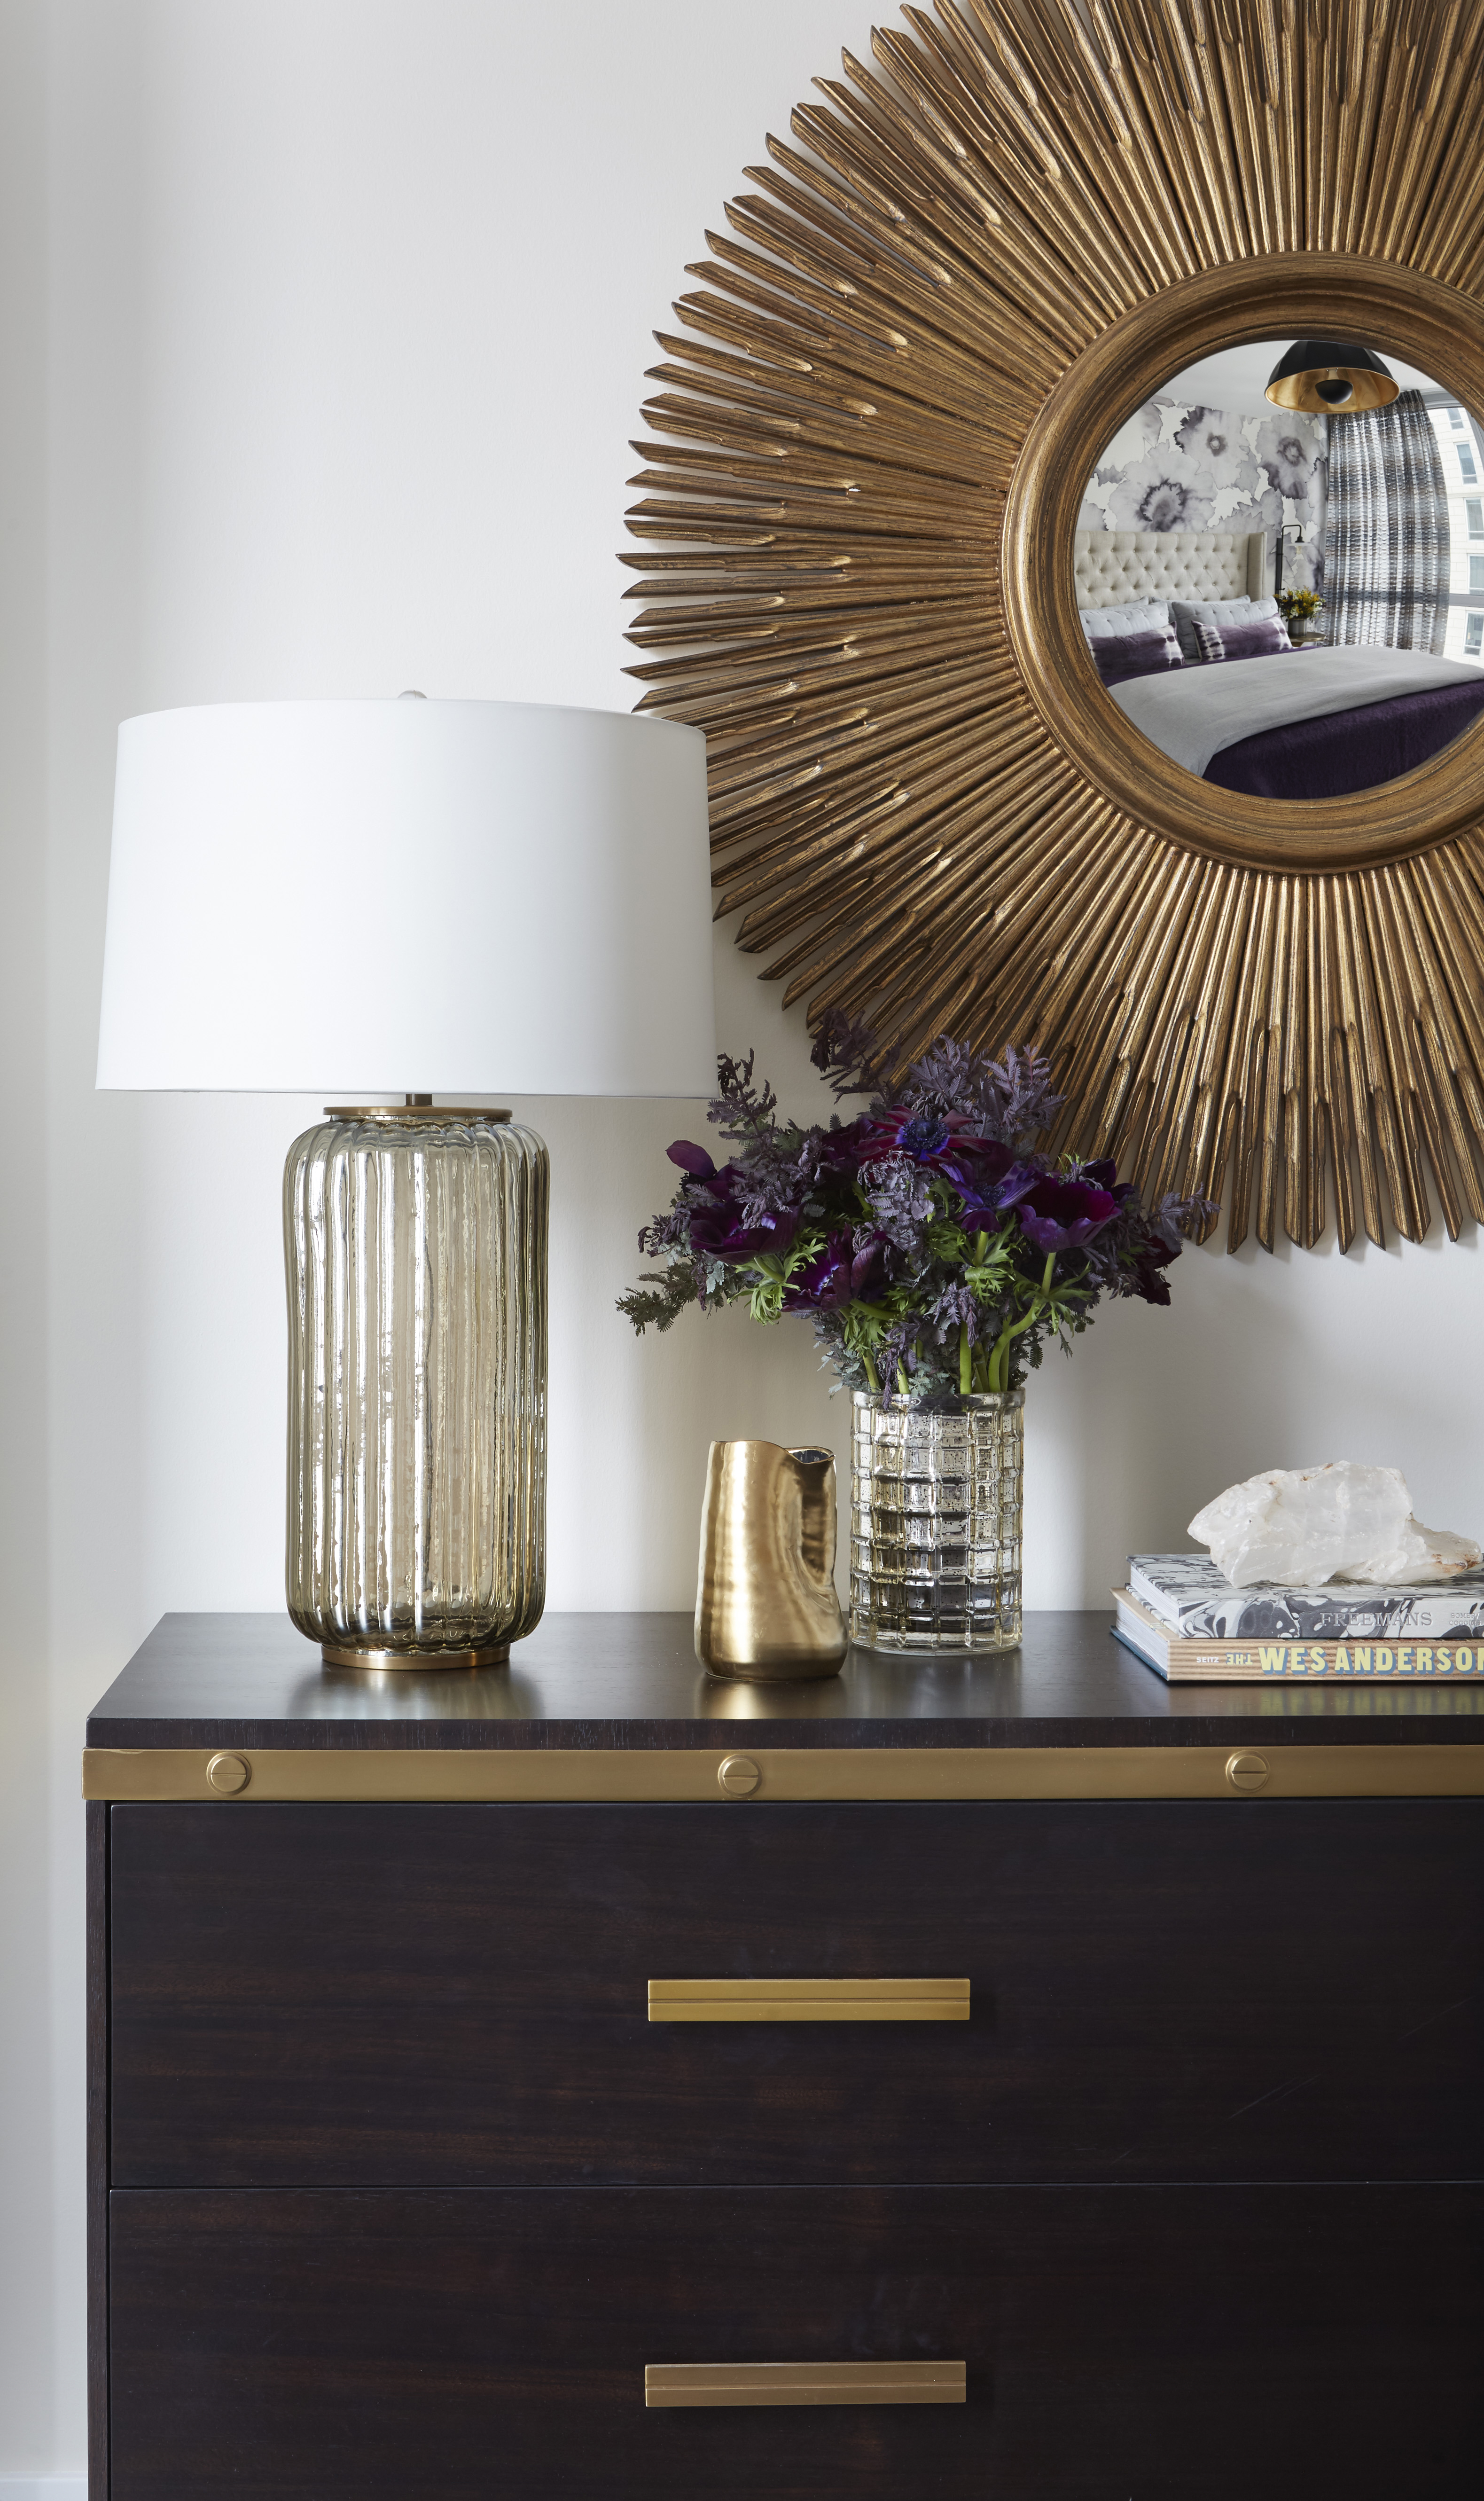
765,1595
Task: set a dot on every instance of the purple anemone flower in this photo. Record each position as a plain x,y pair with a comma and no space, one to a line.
926,1136
1018,1182
844,1150
1150,1284
691,1160
727,1237
887,1135
923,1138
723,1236
1104,1174
824,1283
849,1265
868,1261
1062,1215
717,1230
947,1144
977,1168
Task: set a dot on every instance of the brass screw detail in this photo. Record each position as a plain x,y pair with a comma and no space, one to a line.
1248,1772
738,1776
228,1774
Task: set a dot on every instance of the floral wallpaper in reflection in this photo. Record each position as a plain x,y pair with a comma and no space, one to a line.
1174,467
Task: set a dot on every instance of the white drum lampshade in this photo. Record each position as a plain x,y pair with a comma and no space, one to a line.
477,897
385,900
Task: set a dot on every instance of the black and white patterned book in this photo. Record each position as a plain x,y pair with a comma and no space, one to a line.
1262,1656
1199,1603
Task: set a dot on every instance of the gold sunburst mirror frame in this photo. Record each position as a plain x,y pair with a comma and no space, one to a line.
900,369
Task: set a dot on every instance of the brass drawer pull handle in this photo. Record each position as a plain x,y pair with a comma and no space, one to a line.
805,2383
809,2001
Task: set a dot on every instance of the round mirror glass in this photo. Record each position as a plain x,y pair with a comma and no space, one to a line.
1279,568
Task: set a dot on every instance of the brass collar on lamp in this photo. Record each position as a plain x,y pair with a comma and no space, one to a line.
1331,377
417,1107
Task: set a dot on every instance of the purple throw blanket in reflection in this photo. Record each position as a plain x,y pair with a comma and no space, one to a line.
1347,750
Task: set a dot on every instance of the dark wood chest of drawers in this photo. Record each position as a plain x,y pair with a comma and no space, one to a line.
1154,2177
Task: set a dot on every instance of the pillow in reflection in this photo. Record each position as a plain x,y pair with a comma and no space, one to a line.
1183,614
1243,639
1135,616
1144,654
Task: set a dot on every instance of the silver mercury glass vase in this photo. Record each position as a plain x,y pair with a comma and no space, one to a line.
414,1243
935,1521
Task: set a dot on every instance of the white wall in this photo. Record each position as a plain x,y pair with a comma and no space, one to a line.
333,315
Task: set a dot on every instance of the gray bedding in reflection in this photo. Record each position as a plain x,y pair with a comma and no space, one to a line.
1192,714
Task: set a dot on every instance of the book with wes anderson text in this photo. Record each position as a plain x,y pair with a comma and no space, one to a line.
1185,1619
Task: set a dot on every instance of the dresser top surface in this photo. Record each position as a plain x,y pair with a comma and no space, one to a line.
632,1682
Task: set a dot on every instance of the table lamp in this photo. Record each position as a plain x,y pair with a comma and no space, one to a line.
354,898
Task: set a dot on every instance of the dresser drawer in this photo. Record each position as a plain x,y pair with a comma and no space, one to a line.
1293,2342
358,1995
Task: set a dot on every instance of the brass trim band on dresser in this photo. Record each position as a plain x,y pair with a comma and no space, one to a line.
809,2001
791,1775
805,2383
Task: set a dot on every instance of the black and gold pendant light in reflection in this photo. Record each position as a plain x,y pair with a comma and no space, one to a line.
1331,376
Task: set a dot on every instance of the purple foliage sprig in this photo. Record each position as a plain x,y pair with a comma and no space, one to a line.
932,1249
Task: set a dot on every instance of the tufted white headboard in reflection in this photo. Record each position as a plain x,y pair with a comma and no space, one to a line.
1116,567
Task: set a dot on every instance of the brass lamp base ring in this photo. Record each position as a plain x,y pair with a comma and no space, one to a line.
489,1654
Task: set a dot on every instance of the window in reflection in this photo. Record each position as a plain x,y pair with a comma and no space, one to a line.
1460,450
1286,601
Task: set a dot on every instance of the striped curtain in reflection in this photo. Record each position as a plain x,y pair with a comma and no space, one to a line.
1386,528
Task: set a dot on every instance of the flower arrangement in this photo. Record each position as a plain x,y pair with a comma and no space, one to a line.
1297,606
933,1250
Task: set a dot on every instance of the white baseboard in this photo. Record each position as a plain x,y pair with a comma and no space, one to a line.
42,2487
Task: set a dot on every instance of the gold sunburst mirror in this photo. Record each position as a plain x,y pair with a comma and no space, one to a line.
867,457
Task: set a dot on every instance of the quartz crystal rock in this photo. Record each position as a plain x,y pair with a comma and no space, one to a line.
1303,1526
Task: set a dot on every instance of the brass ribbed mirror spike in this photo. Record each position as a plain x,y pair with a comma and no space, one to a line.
861,361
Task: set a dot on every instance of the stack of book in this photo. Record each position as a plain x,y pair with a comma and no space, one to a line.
1185,1619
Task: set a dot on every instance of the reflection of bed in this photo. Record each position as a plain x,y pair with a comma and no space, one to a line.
1359,715
1354,750
1307,724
